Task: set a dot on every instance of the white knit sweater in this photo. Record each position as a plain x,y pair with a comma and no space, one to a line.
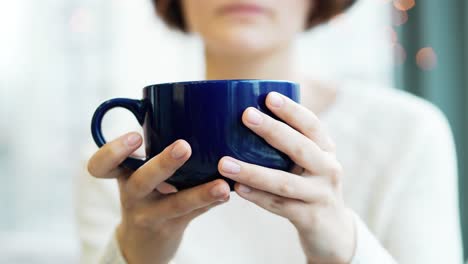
400,180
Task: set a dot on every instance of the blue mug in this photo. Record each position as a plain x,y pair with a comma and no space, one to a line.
207,114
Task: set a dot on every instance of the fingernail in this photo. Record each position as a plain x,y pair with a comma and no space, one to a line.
178,151
244,189
230,167
133,139
275,100
166,188
219,191
254,117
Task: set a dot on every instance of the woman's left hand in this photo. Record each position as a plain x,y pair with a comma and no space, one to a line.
310,195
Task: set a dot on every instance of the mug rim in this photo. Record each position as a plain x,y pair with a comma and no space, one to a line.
222,81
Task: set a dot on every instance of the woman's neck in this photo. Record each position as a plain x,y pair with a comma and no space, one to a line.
277,65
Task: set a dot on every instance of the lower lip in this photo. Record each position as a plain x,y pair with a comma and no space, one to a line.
243,10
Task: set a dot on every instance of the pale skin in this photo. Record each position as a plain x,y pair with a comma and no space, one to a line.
155,214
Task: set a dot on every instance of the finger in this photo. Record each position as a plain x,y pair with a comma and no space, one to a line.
105,162
300,118
189,200
303,151
119,173
282,206
158,169
274,181
166,188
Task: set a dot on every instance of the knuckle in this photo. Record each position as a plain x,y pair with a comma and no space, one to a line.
275,127
311,127
92,167
111,151
179,204
246,172
249,178
142,221
166,163
285,187
334,171
299,152
139,184
204,198
325,199
277,203
113,155
150,223
270,128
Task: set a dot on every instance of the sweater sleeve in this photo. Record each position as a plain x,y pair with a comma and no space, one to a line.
419,214
368,248
112,253
97,212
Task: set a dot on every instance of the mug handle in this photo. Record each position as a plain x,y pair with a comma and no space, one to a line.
137,107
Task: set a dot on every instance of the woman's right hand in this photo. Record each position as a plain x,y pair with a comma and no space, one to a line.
152,222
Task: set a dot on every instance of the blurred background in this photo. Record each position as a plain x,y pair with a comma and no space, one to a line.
60,59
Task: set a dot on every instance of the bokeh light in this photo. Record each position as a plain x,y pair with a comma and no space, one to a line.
404,5
392,34
426,58
399,17
399,54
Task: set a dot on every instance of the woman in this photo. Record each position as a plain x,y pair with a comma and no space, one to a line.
386,194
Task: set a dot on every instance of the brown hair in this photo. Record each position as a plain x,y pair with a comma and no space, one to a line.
171,12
